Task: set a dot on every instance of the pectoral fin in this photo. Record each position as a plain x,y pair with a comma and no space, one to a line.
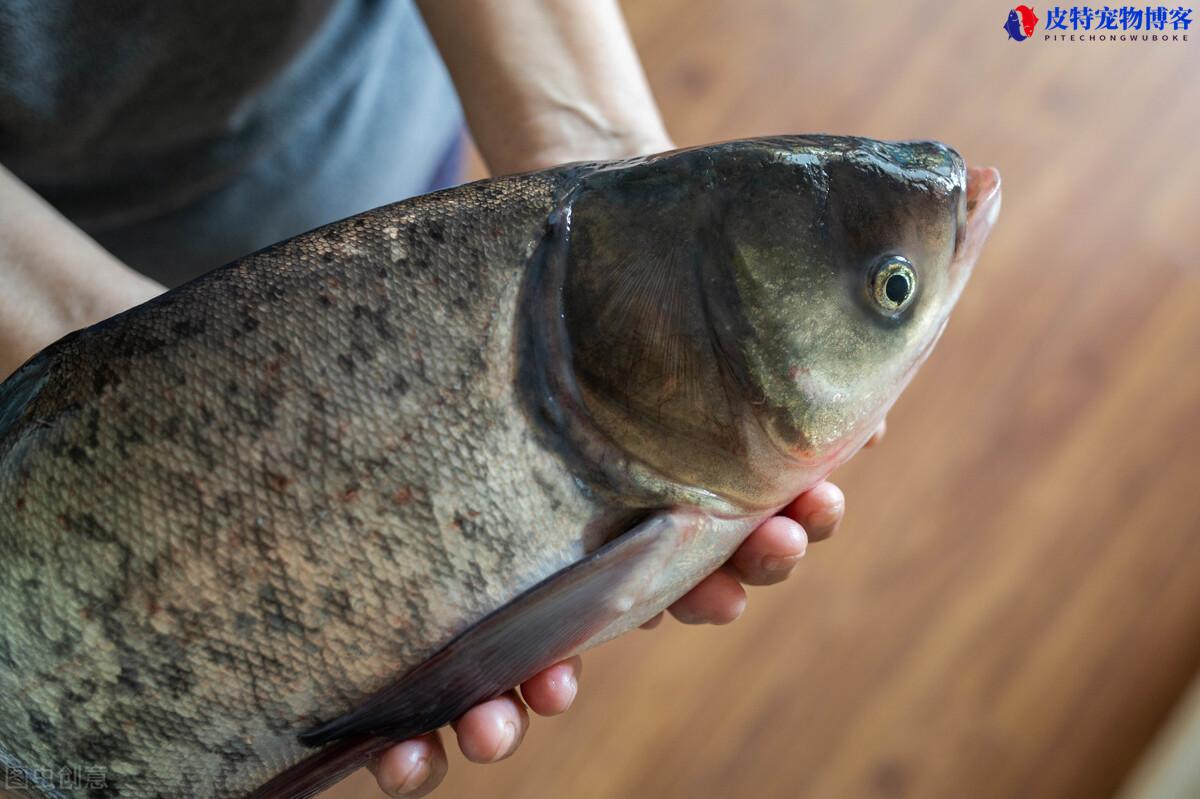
553,620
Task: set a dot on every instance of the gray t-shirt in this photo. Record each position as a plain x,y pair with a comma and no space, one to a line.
182,135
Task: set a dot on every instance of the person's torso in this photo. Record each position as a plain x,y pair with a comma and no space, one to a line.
182,135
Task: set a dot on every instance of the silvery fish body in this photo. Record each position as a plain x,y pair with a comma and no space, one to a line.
337,492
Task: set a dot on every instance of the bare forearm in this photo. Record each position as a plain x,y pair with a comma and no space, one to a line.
53,278
546,81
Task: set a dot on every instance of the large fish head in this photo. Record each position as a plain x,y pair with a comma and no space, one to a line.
846,272
742,316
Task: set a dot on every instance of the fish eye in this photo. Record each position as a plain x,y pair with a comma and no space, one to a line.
893,284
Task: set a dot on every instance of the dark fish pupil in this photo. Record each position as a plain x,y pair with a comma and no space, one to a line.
897,288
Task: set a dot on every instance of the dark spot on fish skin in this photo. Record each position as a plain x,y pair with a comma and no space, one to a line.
324,300
95,747
256,411
201,445
475,357
20,504
127,437
400,384
437,231
278,482
477,575
79,456
336,603
548,489
218,656
346,361
39,724
184,329
226,503
378,539
87,526
250,324
6,656
103,377
128,678
466,524
378,319
179,680
276,613
361,350
377,465
93,428
87,688
62,647
171,427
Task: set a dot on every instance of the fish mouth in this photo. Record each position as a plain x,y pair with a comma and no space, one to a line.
982,208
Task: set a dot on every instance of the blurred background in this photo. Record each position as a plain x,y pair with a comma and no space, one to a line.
1012,607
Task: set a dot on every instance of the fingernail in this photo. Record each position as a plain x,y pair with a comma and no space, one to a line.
822,524
735,612
687,617
777,565
572,686
508,741
414,779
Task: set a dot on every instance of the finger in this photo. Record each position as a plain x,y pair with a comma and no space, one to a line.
412,768
492,730
818,510
652,623
552,691
771,551
718,599
878,435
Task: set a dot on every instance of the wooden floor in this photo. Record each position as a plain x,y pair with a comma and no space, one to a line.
1013,604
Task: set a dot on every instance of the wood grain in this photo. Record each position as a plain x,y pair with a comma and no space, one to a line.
1013,604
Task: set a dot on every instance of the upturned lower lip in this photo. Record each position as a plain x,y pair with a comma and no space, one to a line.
983,206
983,194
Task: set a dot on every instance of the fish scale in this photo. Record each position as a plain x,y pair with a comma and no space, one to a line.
233,507
336,492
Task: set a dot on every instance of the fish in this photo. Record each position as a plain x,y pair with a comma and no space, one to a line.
335,493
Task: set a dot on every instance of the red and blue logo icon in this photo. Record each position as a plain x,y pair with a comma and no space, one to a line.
1021,22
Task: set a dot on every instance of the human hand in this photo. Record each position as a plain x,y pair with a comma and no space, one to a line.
493,730
767,556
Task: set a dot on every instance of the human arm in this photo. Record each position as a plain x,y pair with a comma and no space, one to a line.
53,277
